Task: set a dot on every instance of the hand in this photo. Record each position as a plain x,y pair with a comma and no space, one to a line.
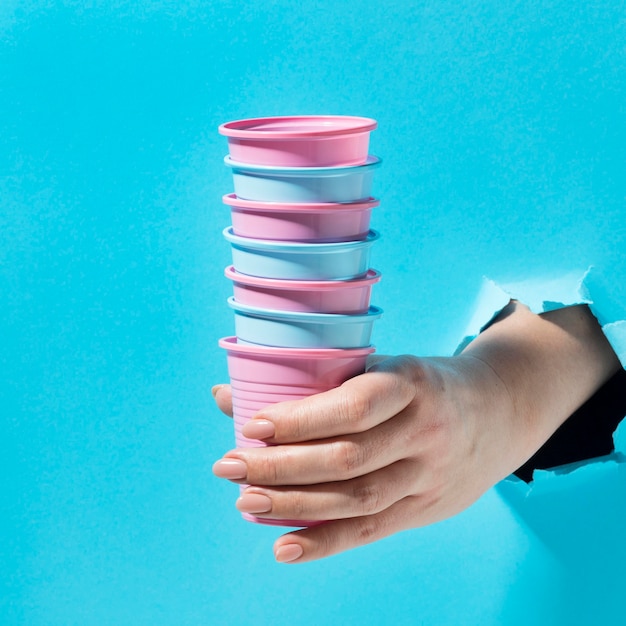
411,442
414,441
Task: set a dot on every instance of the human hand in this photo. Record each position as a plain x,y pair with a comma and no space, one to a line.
414,441
411,442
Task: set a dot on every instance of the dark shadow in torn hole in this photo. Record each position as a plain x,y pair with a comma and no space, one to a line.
586,434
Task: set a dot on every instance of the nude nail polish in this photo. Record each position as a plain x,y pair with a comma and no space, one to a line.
232,469
288,553
254,503
258,429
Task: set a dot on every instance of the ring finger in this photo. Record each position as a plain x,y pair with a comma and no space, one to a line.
360,496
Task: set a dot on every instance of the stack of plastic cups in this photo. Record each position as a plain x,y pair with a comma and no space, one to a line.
301,242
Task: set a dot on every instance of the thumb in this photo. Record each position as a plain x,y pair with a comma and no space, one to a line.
223,398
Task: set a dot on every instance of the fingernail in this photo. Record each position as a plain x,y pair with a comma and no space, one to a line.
258,429
288,553
232,469
215,389
253,503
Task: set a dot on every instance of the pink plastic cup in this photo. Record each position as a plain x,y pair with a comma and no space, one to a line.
305,222
262,375
306,296
300,141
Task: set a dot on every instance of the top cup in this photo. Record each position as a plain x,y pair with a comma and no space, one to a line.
300,141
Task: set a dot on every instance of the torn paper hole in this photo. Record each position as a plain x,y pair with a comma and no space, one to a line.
587,437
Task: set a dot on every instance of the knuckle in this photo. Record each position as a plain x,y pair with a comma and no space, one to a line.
370,528
405,374
368,498
354,408
434,435
411,366
348,457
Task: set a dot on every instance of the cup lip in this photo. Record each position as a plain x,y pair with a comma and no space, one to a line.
329,126
371,162
304,317
271,245
233,200
231,345
373,276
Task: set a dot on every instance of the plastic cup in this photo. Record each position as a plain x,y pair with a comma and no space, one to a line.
305,222
263,375
267,183
300,141
301,261
295,329
321,296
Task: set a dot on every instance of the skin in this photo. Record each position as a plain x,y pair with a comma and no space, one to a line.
416,440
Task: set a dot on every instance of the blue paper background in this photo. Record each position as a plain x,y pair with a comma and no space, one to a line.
503,135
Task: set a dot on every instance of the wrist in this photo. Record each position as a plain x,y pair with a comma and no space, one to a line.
550,364
501,433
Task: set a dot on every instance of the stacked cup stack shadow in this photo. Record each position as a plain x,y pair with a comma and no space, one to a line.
300,240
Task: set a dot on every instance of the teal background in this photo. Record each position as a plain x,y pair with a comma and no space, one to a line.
502,129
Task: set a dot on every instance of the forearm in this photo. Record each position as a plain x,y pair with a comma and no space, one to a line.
550,364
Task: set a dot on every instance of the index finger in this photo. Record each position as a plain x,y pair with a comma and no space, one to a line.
355,406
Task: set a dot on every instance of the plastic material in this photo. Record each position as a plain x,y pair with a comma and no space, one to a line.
306,222
262,375
300,141
259,374
297,184
301,261
291,329
329,296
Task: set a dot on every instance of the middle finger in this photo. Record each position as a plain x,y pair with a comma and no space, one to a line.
364,495
327,460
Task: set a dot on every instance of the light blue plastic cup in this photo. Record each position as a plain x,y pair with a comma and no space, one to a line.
303,184
294,329
301,261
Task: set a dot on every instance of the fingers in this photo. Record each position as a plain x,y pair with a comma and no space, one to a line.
326,460
223,398
365,495
333,537
356,406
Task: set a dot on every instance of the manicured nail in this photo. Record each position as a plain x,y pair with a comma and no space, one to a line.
232,469
215,389
288,553
253,503
258,429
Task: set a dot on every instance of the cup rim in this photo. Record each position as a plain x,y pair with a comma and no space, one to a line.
231,345
371,162
233,200
297,246
329,126
373,276
304,317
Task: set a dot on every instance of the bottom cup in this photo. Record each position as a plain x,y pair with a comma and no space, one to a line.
263,375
